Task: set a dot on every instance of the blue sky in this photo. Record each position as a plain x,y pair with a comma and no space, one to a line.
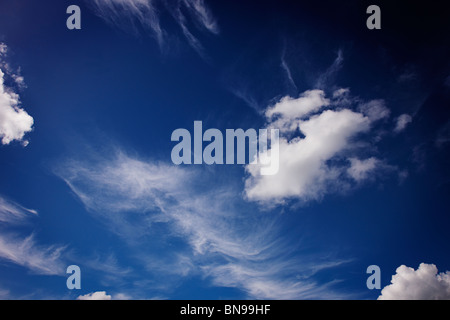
86,118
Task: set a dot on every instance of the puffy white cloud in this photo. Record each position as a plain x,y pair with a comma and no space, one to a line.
329,129
15,122
401,122
98,295
425,283
289,109
303,172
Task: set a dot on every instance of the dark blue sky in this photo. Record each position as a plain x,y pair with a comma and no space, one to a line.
95,185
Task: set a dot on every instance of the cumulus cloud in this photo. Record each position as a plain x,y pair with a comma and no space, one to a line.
425,283
315,131
401,122
302,169
98,295
289,110
15,122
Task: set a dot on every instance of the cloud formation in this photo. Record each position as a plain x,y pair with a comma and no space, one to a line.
13,213
133,15
425,283
316,131
98,295
15,122
225,243
360,169
401,122
25,251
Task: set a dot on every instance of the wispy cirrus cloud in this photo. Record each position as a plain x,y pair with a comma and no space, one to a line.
223,241
327,77
13,213
24,250
137,15
27,253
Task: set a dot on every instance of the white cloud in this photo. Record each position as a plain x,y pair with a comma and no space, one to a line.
425,283
288,109
202,14
401,122
11,212
375,110
284,65
15,122
303,172
98,295
139,198
360,169
26,253
132,15
329,130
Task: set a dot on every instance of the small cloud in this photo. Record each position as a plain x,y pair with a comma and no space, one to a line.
408,75
375,110
360,169
401,122
13,213
443,135
98,295
122,296
402,176
425,283
447,82
3,49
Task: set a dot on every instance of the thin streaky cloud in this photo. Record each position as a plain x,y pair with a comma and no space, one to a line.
325,78
230,247
25,252
12,212
133,15
284,65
